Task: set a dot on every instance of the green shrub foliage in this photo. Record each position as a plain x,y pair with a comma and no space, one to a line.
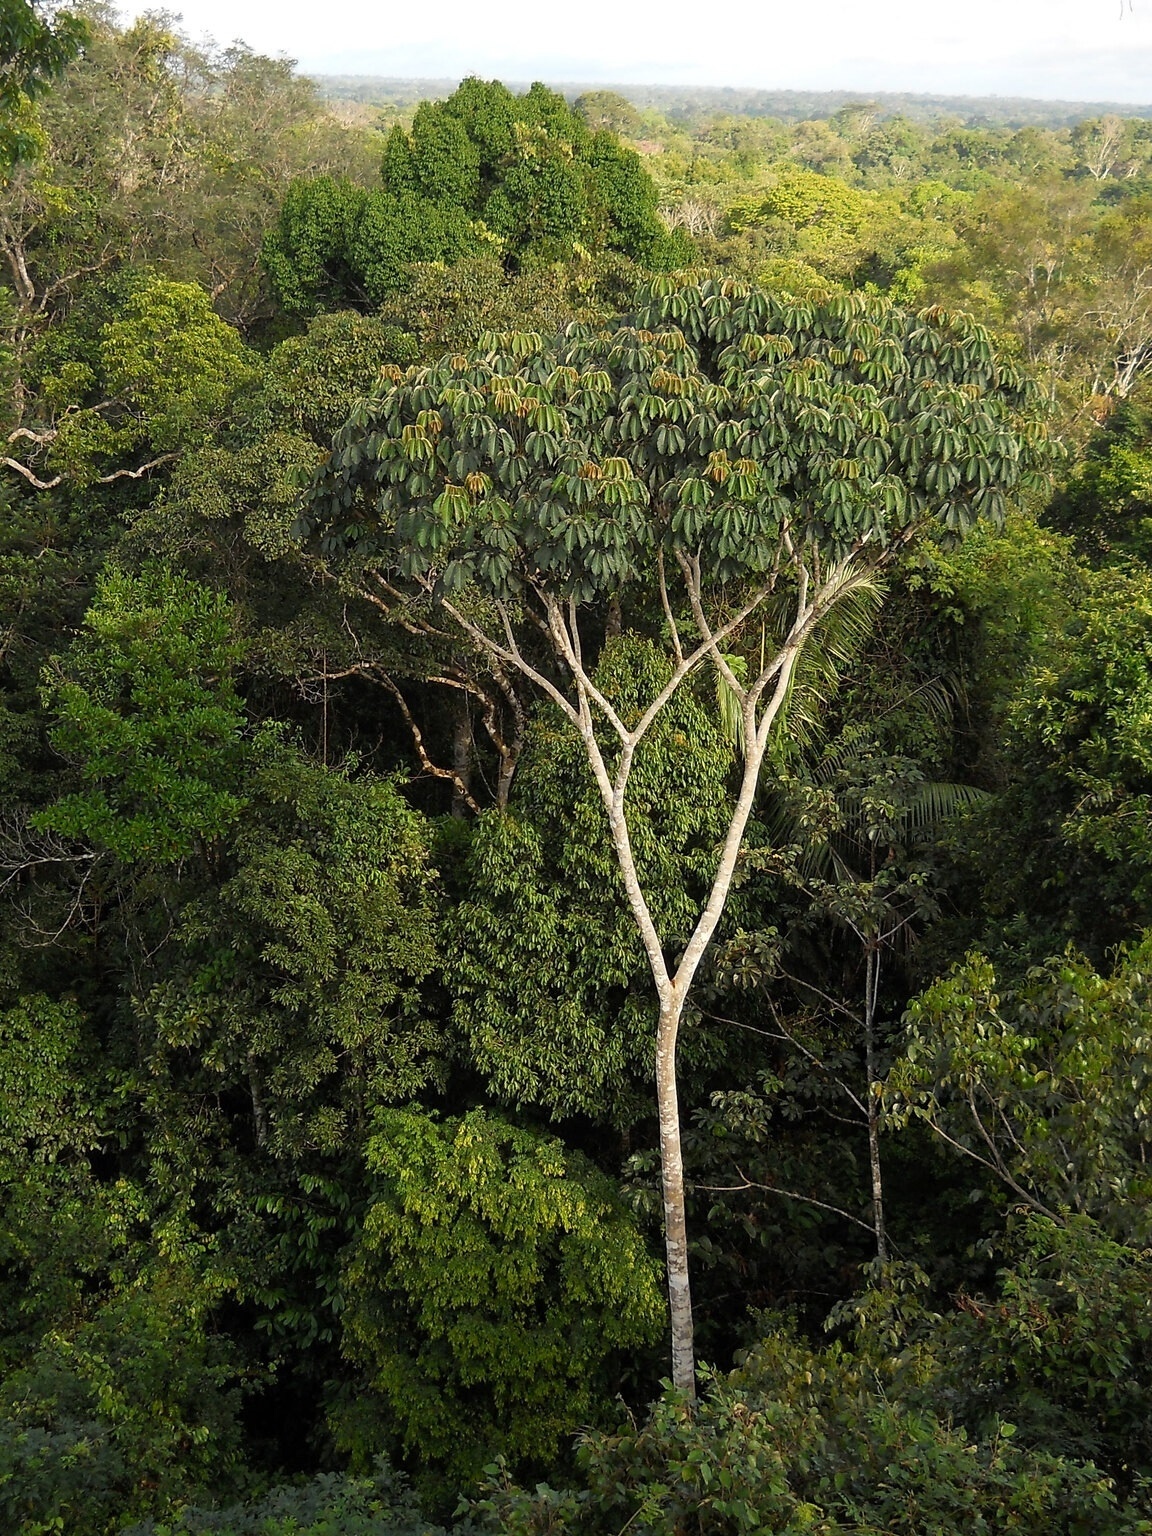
868,1435
496,1277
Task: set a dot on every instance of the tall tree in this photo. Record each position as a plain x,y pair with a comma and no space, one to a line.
483,173
754,461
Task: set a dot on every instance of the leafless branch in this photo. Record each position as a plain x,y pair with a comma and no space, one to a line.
429,767
32,479
118,474
789,1194
667,606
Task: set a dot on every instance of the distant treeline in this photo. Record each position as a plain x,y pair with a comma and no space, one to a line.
688,103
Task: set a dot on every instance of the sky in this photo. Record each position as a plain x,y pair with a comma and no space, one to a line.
1075,50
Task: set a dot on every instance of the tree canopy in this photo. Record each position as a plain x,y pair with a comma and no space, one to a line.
521,177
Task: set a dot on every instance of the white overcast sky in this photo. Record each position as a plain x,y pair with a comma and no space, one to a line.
1079,50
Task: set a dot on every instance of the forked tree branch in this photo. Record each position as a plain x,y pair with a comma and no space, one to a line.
564,635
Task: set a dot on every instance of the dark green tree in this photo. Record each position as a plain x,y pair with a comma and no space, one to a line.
1045,1084
298,977
519,177
337,245
861,1434
1064,851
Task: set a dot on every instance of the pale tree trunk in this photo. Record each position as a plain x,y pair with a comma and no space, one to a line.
872,1103
675,1215
761,703
673,988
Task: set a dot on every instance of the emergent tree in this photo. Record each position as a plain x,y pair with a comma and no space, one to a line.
725,467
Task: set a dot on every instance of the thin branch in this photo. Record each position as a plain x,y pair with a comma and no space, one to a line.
996,1167
136,474
567,646
396,618
691,573
691,661
33,480
425,627
833,1002
790,1194
488,707
119,474
574,631
510,653
426,762
667,606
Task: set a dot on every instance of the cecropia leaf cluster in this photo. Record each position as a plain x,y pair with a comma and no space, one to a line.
718,420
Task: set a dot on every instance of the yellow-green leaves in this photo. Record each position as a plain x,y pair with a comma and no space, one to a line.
167,369
496,1274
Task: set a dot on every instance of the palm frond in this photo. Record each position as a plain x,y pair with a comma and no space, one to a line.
728,701
934,803
836,642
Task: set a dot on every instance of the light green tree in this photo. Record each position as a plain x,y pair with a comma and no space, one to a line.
161,378
495,1276
147,712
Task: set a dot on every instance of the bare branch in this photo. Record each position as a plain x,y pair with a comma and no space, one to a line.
40,438
513,656
119,474
421,751
789,1194
136,474
415,626
691,572
995,1166
33,480
567,647
693,660
667,606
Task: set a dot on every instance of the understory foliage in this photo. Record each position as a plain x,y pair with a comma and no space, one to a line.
495,1278
348,455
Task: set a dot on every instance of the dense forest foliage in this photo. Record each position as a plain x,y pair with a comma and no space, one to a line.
576,844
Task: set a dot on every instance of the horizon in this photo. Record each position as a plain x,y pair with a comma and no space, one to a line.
423,87
1073,51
